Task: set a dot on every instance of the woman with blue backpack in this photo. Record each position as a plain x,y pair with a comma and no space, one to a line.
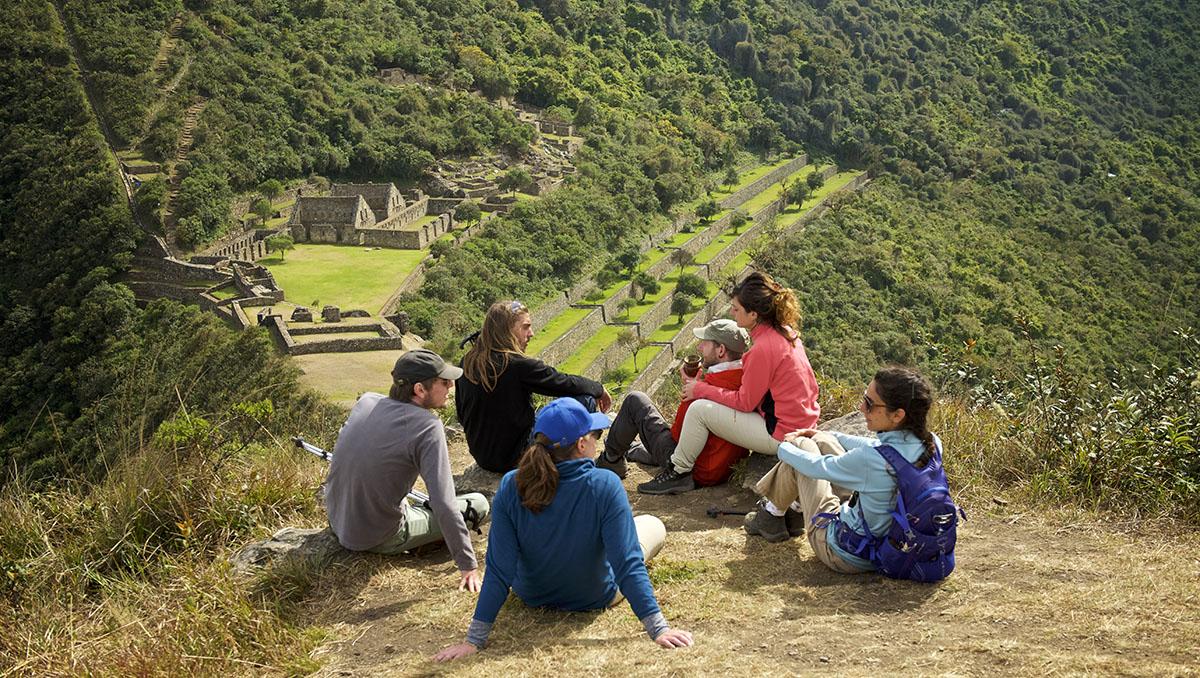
900,519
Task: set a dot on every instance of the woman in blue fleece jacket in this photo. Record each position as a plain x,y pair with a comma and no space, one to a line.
896,406
563,535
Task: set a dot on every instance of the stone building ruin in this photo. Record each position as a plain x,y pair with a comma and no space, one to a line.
373,215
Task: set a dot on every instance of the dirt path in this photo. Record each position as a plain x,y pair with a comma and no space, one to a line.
1034,594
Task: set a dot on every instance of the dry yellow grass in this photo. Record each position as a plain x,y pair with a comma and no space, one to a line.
1036,592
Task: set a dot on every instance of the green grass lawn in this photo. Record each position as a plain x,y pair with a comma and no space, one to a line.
225,293
554,329
772,193
342,275
744,180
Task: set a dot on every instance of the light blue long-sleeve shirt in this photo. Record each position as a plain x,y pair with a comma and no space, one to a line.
863,470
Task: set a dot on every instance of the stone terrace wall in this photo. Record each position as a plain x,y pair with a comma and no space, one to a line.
348,345
561,348
758,185
644,381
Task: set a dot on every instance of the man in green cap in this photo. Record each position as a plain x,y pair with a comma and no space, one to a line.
388,441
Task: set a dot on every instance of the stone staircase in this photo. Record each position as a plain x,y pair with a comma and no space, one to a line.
166,46
182,148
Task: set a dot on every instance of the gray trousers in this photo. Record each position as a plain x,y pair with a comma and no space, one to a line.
639,417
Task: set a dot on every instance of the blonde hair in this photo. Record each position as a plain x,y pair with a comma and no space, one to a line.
496,339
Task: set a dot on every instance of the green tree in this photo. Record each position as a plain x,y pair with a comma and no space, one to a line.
816,179
281,243
632,343
682,258
262,207
629,257
645,284
796,192
606,277
692,285
467,212
731,177
514,179
440,248
737,220
271,189
681,305
707,209
626,306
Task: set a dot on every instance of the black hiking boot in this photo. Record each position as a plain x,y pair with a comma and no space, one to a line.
795,522
618,467
770,527
638,454
669,481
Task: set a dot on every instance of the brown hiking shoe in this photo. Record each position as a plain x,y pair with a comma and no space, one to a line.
795,522
618,467
763,524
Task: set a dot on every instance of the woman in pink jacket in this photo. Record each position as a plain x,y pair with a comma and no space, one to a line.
778,392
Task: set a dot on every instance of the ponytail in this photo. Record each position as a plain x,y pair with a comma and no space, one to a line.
537,474
775,304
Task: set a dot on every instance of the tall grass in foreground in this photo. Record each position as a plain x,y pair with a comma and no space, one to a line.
117,563
1128,443
129,574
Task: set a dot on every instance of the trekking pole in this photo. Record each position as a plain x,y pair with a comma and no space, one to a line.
416,496
713,512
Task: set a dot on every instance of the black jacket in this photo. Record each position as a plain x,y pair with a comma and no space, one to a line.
497,423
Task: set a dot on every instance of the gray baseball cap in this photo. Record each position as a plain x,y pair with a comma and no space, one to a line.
421,364
724,332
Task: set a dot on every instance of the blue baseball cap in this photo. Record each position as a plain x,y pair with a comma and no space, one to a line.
565,420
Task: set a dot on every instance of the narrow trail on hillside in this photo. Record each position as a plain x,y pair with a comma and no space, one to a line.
1035,593
182,148
85,81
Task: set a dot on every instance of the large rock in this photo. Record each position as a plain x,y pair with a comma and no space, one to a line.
316,546
475,479
758,464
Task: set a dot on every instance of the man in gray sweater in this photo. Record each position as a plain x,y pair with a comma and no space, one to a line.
388,441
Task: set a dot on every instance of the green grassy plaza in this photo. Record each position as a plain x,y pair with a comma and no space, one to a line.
347,276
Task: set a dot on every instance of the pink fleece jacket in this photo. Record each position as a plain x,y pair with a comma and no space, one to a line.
772,364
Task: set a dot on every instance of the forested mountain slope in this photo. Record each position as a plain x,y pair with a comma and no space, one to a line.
1034,162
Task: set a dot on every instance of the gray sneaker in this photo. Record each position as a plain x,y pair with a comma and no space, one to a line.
769,527
795,522
669,481
618,467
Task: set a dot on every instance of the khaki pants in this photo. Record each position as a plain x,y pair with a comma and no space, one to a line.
651,534
421,527
744,429
783,484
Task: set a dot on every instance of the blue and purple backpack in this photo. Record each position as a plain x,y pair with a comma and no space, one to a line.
920,543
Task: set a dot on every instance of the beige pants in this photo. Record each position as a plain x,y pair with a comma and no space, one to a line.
744,429
783,484
651,535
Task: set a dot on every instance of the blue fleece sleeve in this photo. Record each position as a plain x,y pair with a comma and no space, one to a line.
848,470
849,442
501,556
623,551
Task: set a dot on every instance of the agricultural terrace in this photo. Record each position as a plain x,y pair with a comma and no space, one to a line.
342,275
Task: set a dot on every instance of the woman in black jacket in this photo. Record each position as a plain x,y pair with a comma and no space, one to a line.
495,394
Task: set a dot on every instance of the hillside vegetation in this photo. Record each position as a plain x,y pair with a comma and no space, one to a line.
1029,238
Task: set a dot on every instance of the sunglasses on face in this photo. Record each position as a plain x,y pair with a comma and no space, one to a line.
596,434
870,404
